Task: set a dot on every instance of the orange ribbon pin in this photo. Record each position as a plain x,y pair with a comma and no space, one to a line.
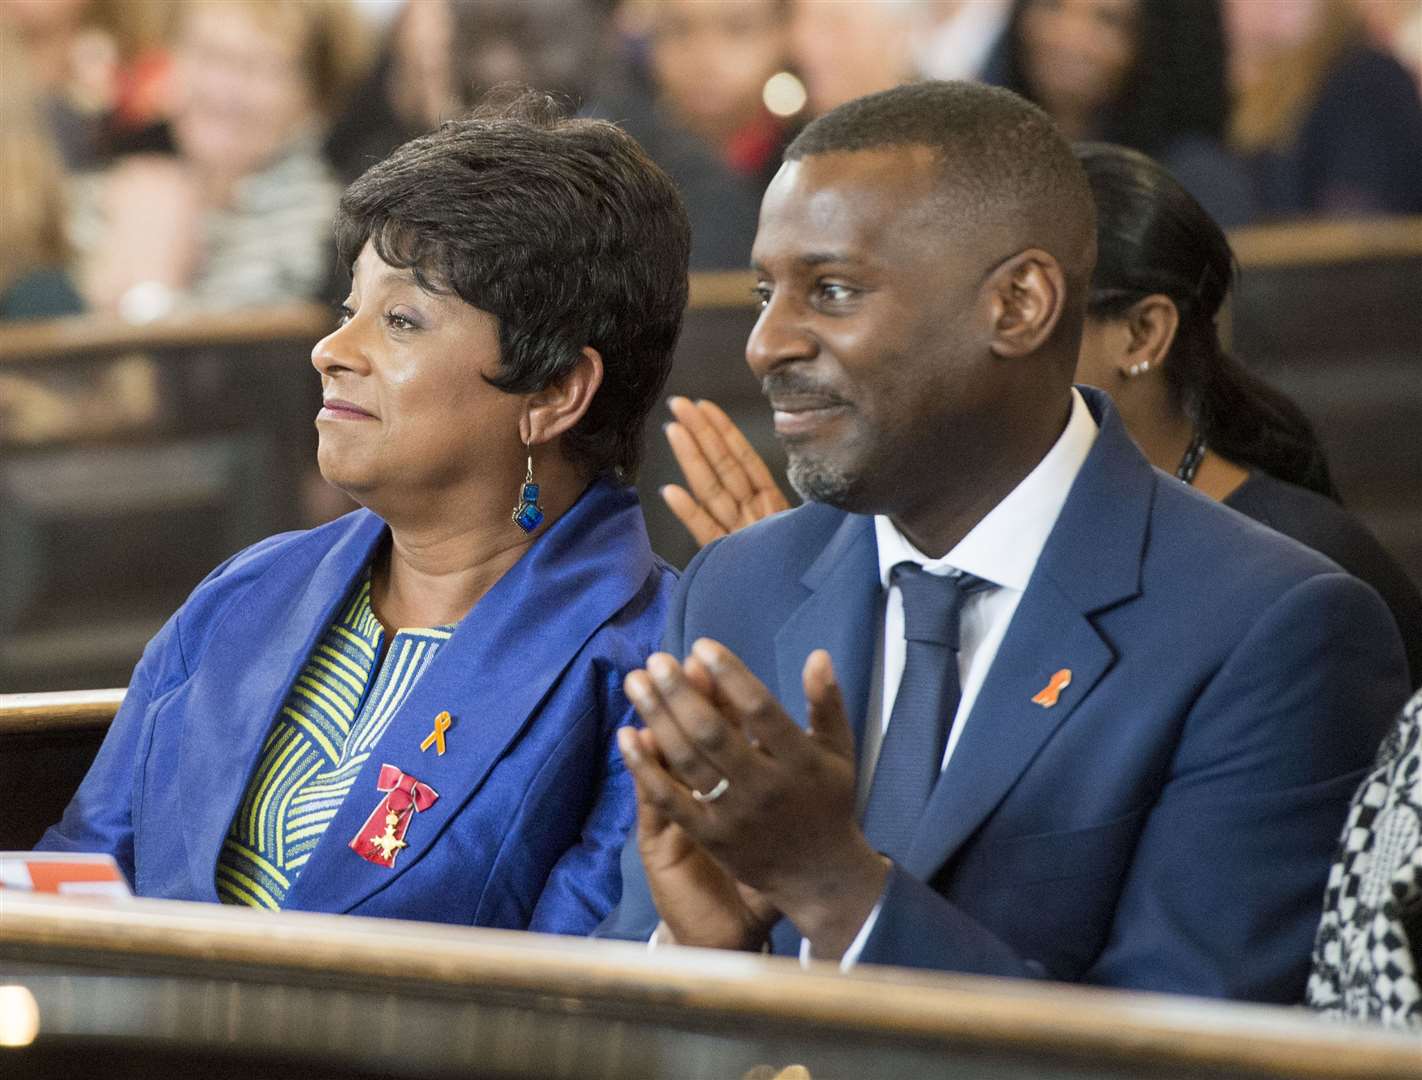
1047,696
436,737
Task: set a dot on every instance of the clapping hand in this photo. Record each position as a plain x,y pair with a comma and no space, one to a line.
742,815
730,485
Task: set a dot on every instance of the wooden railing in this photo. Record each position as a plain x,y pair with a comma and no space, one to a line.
72,710
47,743
626,1010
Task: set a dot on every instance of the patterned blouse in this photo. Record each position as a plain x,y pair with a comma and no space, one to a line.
333,717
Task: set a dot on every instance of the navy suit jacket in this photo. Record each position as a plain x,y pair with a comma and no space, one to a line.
1168,824
534,801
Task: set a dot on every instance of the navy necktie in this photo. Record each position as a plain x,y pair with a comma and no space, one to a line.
912,751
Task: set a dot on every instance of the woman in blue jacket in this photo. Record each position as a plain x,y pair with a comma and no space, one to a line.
410,711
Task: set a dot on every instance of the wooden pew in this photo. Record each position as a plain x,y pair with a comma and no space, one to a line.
47,743
295,994
101,536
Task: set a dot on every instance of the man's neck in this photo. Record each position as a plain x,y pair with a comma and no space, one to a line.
959,502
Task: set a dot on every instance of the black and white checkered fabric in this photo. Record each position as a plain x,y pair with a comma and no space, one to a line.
1367,959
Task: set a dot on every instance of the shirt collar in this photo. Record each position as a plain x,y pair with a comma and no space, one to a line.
1004,546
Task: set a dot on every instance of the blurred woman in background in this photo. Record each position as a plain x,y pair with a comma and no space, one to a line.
239,214
1148,74
1164,269
1328,123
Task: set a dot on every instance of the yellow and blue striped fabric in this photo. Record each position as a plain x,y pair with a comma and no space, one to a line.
336,712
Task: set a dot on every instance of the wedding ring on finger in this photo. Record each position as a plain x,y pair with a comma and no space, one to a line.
722,786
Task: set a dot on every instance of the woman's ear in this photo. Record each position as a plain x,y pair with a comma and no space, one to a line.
1152,323
559,406
1027,294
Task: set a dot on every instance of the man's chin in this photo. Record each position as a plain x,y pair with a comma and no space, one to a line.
816,479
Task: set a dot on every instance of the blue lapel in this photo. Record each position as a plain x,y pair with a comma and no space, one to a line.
491,676
1091,561
840,615
251,661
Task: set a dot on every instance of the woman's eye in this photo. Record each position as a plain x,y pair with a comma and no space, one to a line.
343,314
396,321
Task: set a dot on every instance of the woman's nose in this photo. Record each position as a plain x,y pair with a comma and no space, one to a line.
338,351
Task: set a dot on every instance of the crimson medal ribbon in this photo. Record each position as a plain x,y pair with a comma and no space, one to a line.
383,834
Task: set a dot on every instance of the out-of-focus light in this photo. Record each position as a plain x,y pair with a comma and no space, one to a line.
784,94
19,1016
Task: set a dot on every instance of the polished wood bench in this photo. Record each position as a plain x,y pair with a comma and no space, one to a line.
279,993
47,743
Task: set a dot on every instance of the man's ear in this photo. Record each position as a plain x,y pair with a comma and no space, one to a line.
559,406
1027,294
1152,323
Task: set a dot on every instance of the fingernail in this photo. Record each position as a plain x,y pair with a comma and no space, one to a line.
660,668
707,653
627,743
636,691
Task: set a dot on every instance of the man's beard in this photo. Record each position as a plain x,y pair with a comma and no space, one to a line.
818,480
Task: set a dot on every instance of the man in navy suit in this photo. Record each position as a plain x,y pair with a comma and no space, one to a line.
1154,711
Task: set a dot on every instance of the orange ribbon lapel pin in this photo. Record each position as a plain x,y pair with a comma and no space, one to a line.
1047,696
436,737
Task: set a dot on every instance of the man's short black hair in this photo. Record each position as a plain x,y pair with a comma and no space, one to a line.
1003,160
562,229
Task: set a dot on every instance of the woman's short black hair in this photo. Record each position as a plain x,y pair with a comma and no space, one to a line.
562,229
1152,237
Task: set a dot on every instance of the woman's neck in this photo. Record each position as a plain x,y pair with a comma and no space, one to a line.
439,564
1164,435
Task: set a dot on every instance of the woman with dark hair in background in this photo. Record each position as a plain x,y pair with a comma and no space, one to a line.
1148,74
411,711
1163,270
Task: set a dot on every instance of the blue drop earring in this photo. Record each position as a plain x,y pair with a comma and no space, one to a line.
527,513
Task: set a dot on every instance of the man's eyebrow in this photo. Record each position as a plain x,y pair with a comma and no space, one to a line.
815,258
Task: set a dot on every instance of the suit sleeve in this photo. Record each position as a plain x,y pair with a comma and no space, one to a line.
99,819
1223,891
635,917
584,883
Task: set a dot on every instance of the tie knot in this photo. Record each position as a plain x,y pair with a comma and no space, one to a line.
932,602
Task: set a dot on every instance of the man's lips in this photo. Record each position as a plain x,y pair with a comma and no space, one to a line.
336,409
801,414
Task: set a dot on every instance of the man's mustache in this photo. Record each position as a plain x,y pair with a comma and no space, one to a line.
798,387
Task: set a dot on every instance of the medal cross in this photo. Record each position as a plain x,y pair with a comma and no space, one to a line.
388,842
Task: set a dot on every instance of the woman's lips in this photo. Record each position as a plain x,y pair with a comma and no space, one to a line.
336,409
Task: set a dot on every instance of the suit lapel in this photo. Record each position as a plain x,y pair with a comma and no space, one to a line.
491,676
1091,561
841,615
250,663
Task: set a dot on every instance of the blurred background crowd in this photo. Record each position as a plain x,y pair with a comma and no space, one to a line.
163,156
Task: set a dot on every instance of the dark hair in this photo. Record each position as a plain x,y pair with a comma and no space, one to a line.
1176,86
1002,158
1153,237
562,229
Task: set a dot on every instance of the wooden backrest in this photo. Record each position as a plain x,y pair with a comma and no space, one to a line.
47,743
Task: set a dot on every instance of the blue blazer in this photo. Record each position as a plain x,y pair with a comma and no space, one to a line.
534,802
1168,824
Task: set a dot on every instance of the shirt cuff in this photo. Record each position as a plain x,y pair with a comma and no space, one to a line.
851,954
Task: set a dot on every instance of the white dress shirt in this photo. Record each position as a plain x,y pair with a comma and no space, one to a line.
1002,548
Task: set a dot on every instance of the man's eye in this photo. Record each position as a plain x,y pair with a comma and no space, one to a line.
761,293
835,293
343,314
